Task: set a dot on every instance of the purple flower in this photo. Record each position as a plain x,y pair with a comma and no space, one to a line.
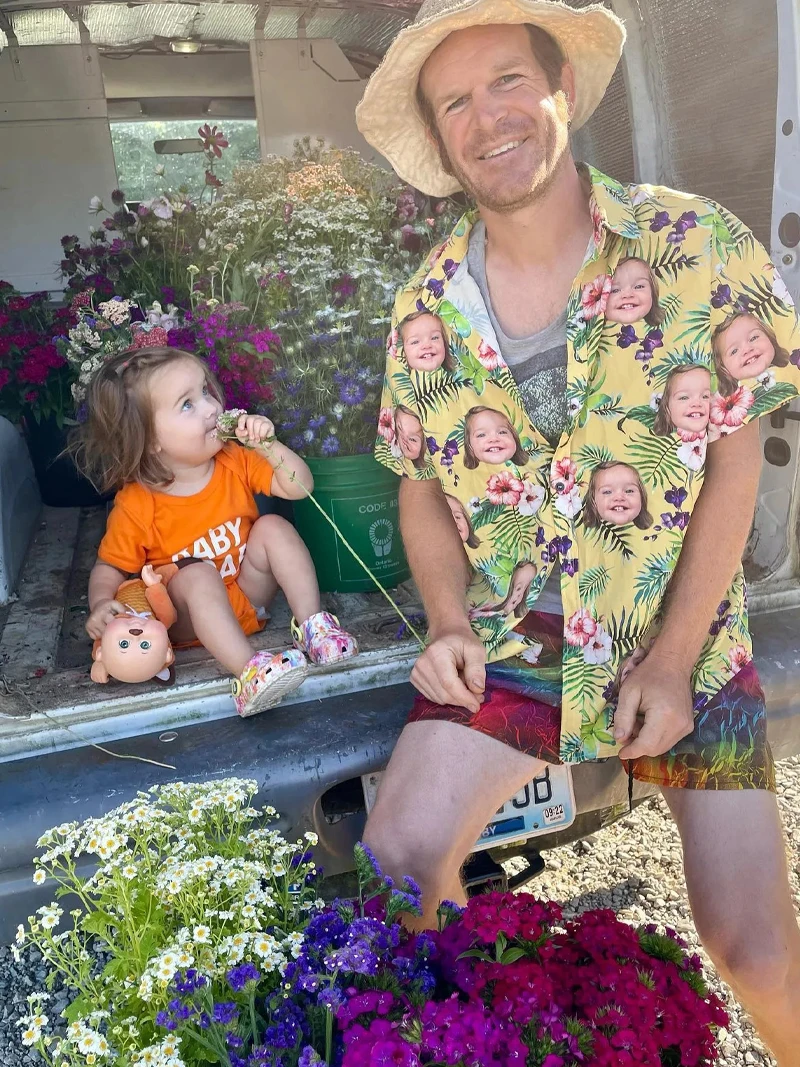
331,999
450,267
721,296
238,977
795,357
330,445
653,340
677,521
627,337
436,287
309,1058
700,701
569,567
675,496
317,422
352,393
226,1012
181,337
540,537
660,220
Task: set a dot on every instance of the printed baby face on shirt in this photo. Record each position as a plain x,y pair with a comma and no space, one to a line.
410,434
490,438
616,495
424,343
744,348
687,400
632,296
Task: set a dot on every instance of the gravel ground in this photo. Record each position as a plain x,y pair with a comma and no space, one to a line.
590,874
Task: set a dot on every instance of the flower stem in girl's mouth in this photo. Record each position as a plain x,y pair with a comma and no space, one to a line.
227,422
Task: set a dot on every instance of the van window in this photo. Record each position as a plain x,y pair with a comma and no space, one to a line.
137,161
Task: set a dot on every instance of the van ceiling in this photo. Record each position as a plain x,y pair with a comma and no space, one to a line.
362,28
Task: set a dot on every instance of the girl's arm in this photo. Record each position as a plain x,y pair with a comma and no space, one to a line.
103,584
292,479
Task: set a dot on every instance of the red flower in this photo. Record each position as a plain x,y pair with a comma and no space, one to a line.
594,296
562,475
580,628
487,356
5,375
731,410
213,180
213,139
739,657
386,424
504,488
155,338
81,300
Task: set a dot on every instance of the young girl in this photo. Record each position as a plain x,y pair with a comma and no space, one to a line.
616,495
463,522
744,347
634,294
185,497
490,438
410,436
425,342
686,404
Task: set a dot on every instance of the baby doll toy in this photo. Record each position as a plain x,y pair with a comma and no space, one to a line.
135,646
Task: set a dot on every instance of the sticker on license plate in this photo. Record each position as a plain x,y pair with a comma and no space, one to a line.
542,806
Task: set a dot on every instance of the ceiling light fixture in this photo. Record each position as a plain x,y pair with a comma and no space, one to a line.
186,48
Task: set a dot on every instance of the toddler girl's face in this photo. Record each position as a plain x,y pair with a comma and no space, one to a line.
409,435
617,497
690,400
459,518
423,343
520,585
631,296
745,348
491,437
184,414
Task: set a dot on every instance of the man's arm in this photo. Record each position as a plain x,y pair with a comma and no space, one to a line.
451,670
659,689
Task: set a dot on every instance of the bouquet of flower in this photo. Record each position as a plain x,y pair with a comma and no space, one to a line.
34,374
107,327
239,353
194,901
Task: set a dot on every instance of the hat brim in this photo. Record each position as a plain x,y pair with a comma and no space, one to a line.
388,116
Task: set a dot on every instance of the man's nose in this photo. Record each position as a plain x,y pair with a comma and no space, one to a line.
136,633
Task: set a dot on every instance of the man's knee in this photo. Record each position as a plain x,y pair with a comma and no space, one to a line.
402,850
755,961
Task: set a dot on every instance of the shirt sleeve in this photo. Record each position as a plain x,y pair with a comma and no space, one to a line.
123,542
258,471
402,447
747,283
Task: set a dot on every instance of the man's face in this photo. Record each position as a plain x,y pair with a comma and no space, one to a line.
502,132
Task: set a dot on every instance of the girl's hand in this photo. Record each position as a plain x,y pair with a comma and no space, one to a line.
101,616
255,430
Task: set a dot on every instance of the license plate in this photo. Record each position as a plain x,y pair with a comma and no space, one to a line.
544,805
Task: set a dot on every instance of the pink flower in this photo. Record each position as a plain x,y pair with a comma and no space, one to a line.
739,657
213,139
386,424
532,498
213,180
595,296
155,338
731,410
504,488
598,648
391,344
693,453
562,475
487,356
580,628
598,222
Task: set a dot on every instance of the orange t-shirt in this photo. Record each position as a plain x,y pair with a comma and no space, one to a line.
146,526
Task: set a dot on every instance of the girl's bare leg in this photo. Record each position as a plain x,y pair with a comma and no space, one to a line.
276,557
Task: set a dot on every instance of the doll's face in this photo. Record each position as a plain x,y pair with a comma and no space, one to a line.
746,351
690,400
423,343
491,437
134,649
409,435
631,295
617,496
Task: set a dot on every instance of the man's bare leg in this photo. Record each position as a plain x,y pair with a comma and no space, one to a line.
735,864
443,784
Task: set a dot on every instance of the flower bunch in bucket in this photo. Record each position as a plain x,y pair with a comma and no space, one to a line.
34,374
193,899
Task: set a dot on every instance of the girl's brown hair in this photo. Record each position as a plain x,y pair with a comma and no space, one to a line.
420,462
521,610
662,427
449,362
473,541
115,446
726,382
471,462
655,316
591,516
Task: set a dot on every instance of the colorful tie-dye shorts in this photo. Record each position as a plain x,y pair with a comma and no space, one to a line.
727,749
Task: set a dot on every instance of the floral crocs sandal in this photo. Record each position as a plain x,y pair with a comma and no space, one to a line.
323,640
266,680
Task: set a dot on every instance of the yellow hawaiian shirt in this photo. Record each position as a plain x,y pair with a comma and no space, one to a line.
679,331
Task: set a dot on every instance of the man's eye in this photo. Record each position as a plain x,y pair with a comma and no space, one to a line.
455,104
510,78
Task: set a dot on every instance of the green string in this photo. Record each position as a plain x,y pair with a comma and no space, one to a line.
310,496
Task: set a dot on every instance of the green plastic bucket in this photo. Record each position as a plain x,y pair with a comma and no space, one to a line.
361,497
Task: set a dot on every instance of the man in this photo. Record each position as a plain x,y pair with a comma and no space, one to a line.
572,304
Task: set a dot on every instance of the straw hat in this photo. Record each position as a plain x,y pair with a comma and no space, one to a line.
591,39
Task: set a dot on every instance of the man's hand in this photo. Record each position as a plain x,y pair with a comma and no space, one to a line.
452,669
101,616
655,707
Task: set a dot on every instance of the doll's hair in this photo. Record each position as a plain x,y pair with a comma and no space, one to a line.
521,610
662,426
655,316
115,446
449,362
473,541
420,462
591,516
725,380
471,462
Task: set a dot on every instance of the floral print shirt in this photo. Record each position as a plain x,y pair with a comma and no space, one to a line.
679,331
